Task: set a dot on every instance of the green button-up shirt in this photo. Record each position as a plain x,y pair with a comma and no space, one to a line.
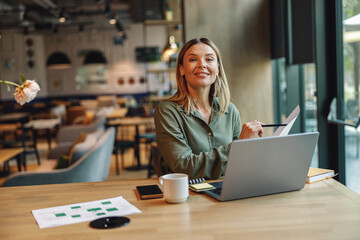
187,144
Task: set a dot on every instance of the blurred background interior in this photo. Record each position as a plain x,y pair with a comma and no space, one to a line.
100,63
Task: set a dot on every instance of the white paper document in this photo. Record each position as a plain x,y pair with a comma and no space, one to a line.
284,130
82,212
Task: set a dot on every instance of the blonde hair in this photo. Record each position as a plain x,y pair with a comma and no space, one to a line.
219,89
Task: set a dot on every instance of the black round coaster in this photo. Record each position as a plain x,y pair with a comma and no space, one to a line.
109,222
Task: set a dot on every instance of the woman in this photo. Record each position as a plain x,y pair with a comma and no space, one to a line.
195,127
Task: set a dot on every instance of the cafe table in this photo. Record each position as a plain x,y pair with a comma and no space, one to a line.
21,118
14,117
135,122
6,154
322,210
118,113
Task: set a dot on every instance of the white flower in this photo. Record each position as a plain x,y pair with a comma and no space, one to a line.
26,92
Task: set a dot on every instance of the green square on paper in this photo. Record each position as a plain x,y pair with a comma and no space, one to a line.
94,209
60,214
111,209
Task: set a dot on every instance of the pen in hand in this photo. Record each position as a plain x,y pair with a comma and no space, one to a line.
273,125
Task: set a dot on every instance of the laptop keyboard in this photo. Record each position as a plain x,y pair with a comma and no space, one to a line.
218,188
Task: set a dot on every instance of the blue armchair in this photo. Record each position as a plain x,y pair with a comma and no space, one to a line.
93,166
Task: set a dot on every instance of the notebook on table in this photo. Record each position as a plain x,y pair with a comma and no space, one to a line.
268,165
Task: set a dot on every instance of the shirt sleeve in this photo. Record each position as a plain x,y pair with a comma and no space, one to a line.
236,124
178,155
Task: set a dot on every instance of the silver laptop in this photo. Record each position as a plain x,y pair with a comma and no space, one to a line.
266,165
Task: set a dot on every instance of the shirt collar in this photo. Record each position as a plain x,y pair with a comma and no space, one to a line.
216,108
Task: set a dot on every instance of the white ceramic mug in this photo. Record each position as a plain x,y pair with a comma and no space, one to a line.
175,187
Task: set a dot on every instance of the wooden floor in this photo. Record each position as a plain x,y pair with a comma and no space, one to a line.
124,174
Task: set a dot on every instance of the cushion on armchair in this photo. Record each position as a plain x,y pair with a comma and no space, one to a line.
82,137
81,149
63,161
60,149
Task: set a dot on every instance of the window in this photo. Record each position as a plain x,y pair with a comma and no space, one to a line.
351,46
310,104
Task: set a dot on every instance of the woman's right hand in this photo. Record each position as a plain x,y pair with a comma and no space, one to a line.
251,129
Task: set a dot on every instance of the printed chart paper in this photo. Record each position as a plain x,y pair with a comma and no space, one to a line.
284,130
82,212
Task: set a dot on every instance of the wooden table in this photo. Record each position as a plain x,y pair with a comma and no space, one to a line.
7,154
322,210
118,113
8,127
21,118
136,122
14,117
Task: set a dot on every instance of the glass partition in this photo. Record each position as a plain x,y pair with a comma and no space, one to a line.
310,109
351,44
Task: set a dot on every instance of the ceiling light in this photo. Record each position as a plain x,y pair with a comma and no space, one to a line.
95,57
170,49
62,17
112,20
58,60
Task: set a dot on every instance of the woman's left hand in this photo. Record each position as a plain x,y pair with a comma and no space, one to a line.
251,129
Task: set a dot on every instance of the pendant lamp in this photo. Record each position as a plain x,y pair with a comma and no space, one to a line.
94,57
170,49
58,60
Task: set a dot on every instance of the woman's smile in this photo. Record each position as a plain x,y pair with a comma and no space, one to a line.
202,74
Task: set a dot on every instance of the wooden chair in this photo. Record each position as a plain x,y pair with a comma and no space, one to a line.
149,135
154,162
124,140
18,136
73,113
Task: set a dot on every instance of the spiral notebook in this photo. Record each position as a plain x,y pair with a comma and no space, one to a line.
266,165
